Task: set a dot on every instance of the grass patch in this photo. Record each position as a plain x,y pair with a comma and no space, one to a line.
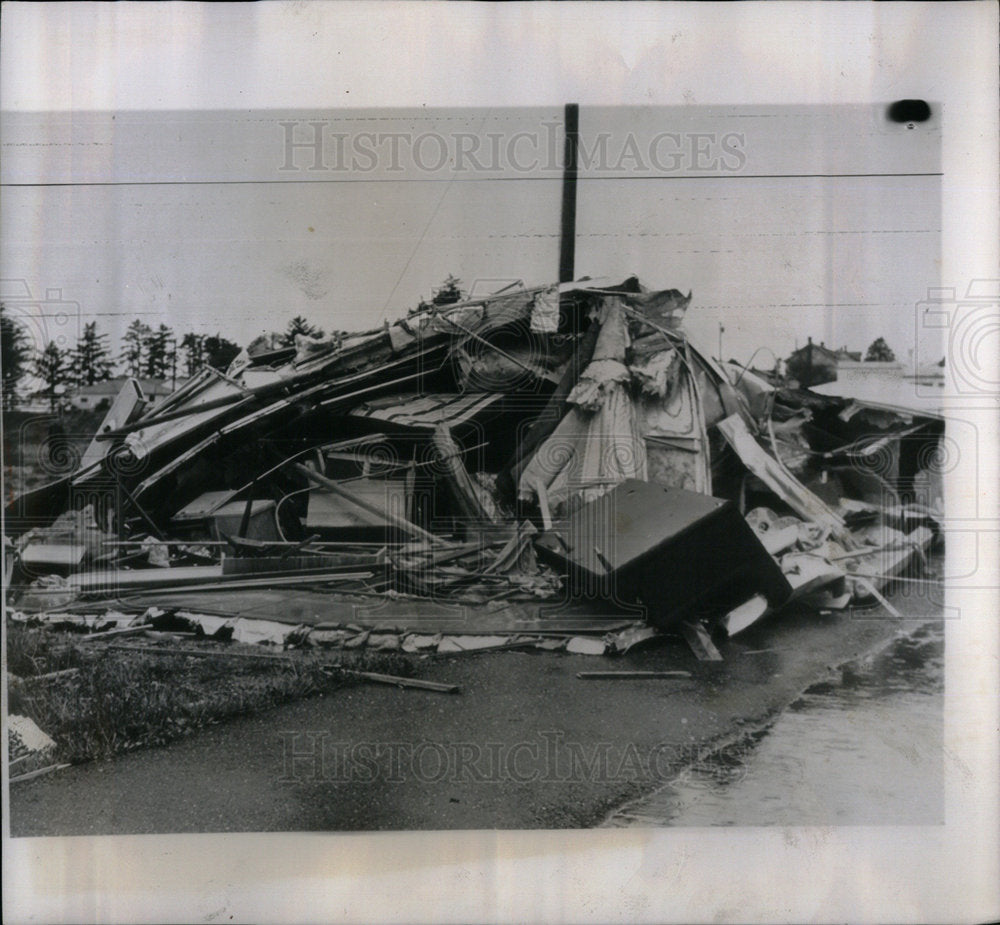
121,700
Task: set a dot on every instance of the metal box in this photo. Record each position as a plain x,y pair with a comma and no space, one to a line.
678,553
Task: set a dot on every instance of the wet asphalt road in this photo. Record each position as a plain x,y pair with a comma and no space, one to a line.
526,744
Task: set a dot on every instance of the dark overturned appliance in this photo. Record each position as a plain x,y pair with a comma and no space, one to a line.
425,457
681,554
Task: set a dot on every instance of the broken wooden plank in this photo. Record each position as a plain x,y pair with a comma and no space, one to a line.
700,642
402,682
122,579
237,582
630,675
867,584
119,631
471,501
30,774
53,555
200,653
126,407
48,676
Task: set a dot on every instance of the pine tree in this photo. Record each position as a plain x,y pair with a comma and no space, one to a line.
193,346
134,344
50,367
91,358
14,358
160,353
299,325
449,292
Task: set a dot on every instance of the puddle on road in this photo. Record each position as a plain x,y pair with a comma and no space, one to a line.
863,749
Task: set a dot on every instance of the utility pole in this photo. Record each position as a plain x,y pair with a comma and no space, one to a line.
721,330
567,244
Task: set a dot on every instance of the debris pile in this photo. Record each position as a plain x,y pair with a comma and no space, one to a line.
556,466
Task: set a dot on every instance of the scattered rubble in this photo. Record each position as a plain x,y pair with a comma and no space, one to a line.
556,467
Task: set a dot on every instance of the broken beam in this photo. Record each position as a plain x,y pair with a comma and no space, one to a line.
700,642
629,675
402,682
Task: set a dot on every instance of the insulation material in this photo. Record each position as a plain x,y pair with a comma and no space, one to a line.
254,632
471,643
665,307
657,374
545,311
209,624
597,444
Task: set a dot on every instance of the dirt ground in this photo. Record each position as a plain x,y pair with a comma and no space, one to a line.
525,744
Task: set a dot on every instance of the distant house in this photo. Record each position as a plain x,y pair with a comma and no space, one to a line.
101,394
815,364
812,364
42,400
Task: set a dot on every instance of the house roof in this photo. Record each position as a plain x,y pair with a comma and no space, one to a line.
150,387
842,353
817,348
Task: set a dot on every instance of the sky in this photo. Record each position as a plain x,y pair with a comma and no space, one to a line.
784,221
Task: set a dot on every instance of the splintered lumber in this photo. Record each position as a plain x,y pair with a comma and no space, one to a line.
401,522
41,771
120,631
780,480
700,642
246,398
463,489
50,676
867,584
123,579
64,555
403,682
199,653
201,578
629,675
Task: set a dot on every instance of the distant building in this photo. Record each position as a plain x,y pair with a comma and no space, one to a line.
894,384
815,364
42,400
812,364
849,371
101,394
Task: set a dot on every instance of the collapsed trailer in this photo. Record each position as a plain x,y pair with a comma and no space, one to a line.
560,453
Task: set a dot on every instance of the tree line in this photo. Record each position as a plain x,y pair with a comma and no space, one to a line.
145,353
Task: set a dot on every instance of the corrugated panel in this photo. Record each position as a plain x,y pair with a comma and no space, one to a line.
429,410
